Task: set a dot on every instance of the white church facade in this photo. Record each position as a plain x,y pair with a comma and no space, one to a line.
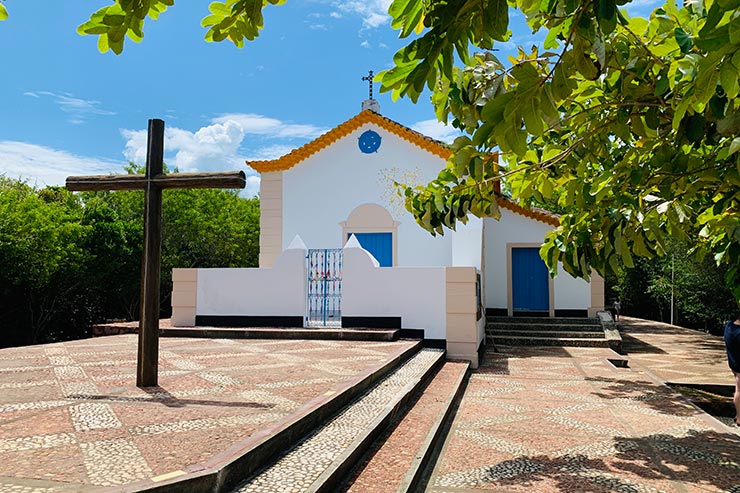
337,247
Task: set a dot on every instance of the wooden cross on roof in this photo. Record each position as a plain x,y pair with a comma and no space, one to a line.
153,182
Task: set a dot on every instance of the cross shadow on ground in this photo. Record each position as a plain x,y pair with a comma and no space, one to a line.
163,397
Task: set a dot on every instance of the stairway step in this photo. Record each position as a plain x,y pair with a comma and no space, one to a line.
568,334
281,333
548,341
544,327
403,451
543,320
317,463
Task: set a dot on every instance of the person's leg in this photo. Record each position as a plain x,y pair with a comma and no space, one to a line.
736,399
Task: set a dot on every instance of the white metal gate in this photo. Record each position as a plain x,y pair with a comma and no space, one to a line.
324,303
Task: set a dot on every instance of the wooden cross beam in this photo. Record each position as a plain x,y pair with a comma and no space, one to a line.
153,182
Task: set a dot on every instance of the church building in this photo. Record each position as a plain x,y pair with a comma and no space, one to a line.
338,248
341,184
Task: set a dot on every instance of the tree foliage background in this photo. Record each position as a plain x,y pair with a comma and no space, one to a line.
71,260
636,119
700,298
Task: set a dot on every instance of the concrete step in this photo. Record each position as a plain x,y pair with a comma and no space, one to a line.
318,463
548,341
568,334
540,327
281,333
400,456
544,320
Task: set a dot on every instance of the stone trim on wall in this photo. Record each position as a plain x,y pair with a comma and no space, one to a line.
184,297
271,217
462,324
598,293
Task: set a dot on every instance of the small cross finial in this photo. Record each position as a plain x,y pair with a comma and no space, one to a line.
369,79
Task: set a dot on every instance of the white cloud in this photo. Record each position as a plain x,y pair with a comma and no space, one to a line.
218,146
262,125
644,4
365,44
436,130
253,186
44,166
374,13
78,109
224,144
211,148
270,152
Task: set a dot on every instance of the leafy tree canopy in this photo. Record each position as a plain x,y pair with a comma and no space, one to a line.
631,124
70,260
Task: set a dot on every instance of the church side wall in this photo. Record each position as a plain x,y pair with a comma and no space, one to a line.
467,242
569,293
321,191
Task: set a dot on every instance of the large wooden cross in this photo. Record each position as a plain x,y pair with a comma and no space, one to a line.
153,182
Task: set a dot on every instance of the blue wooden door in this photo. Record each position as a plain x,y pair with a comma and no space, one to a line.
529,280
380,245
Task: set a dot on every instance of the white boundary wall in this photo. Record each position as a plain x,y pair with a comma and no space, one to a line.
416,294
440,300
277,291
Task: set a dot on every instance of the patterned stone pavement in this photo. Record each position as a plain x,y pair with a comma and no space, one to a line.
675,354
566,420
71,418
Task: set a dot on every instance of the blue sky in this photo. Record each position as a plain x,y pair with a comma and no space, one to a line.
67,109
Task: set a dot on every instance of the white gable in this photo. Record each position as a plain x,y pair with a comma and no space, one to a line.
321,191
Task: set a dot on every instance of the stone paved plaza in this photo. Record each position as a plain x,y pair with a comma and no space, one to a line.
71,418
675,354
566,420
531,419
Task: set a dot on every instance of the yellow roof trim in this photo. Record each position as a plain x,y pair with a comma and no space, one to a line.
366,116
536,213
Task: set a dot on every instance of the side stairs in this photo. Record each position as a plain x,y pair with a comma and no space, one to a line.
402,417
536,331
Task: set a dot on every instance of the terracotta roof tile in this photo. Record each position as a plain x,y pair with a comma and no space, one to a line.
297,155
535,213
431,145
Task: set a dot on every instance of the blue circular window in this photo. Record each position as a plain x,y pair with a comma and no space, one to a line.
369,142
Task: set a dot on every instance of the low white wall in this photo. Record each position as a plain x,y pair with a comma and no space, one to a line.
416,294
277,291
